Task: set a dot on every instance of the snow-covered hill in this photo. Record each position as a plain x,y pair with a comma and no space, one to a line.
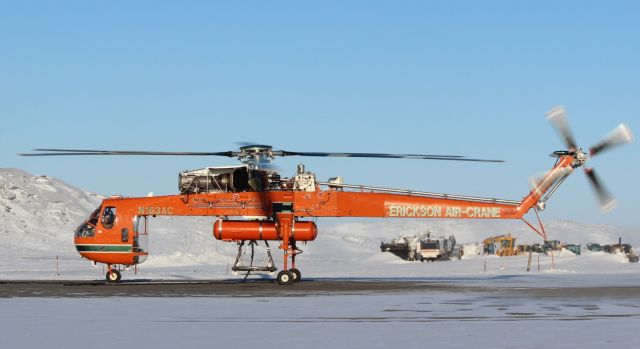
38,215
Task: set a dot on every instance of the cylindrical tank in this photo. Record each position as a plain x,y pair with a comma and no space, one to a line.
261,230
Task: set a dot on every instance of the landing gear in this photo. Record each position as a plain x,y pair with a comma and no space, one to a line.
113,276
295,273
285,277
288,275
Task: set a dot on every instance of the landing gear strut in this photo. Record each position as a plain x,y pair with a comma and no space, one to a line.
291,275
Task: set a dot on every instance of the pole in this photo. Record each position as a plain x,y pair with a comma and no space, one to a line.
529,262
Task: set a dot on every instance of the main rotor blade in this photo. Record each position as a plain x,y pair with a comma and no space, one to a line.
65,152
607,202
618,136
381,155
241,153
557,117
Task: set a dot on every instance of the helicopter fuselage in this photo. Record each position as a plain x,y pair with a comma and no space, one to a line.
115,231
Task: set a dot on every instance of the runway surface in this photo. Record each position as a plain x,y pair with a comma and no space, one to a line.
309,287
505,311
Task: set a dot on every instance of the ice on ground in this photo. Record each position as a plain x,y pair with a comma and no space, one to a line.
430,319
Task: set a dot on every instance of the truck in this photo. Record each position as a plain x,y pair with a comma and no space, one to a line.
616,248
438,248
501,245
421,247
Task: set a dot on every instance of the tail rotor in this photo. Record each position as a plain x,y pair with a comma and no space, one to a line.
620,135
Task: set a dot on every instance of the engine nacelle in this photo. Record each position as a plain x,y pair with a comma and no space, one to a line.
228,230
219,179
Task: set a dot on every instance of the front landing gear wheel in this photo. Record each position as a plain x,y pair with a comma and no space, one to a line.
113,276
295,273
285,278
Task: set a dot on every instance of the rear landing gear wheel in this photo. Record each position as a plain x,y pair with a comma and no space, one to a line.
295,273
285,278
113,276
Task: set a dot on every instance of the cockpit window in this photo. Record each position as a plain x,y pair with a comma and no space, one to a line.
84,230
93,219
109,217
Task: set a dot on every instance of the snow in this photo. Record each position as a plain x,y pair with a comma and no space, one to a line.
38,215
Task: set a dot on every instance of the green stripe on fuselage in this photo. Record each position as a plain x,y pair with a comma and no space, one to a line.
103,248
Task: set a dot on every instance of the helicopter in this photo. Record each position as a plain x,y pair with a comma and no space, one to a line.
253,202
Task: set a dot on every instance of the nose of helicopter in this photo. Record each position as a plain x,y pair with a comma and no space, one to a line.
83,237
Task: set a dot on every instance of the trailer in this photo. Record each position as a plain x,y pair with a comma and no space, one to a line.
403,247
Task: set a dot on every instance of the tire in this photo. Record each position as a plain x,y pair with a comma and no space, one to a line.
113,276
296,274
285,278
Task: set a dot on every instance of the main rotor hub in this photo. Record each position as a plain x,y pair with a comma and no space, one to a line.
256,154
580,158
255,150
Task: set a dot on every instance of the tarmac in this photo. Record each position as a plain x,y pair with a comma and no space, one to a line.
306,287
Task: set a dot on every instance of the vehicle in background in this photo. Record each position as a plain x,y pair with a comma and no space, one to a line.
502,245
421,247
439,248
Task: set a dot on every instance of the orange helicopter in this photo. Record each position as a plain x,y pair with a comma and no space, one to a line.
254,203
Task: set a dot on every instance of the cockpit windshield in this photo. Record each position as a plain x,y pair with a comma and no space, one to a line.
86,229
93,219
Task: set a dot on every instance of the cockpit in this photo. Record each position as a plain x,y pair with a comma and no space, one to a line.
106,217
111,236
87,228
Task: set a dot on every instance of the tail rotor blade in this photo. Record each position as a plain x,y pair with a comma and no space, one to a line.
620,135
557,117
607,202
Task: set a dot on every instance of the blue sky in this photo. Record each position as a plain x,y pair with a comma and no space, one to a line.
458,77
